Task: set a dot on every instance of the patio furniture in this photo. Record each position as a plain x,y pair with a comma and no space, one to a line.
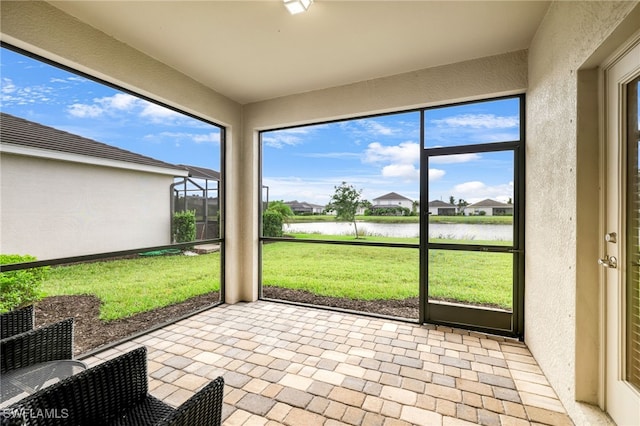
115,393
21,351
16,322
49,343
22,382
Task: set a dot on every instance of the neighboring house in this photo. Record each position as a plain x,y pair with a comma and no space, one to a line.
441,208
490,208
200,192
392,199
65,195
298,207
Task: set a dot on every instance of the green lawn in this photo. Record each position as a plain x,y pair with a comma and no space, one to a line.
489,220
374,273
130,286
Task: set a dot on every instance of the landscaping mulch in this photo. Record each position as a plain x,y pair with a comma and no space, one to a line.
91,332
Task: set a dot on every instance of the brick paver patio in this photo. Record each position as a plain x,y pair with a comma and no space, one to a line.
299,366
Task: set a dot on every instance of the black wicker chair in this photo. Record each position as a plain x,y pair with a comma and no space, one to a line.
16,322
49,343
115,393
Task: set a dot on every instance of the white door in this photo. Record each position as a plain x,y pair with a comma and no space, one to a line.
621,251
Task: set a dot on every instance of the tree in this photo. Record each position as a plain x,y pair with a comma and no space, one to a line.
345,202
452,200
462,204
273,218
281,208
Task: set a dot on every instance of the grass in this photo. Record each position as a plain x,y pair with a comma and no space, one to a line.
381,273
487,220
130,286
367,273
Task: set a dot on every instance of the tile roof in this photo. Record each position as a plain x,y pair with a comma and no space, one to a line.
18,131
392,196
489,203
440,203
295,204
201,172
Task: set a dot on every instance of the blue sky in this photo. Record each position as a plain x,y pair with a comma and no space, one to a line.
377,155
48,95
382,154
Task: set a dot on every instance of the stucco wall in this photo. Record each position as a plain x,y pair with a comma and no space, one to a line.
54,209
560,170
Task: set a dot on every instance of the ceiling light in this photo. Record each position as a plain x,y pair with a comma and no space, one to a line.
297,6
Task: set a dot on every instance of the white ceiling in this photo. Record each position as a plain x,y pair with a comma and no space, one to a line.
255,50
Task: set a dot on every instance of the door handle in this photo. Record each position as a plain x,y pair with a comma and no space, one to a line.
608,262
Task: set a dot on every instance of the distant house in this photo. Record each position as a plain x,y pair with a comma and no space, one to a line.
66,195
441,208
490,208
200,192
392,199
304,208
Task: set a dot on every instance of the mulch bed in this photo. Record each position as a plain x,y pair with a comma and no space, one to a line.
90,332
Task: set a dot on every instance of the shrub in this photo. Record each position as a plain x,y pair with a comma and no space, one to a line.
184,226
22,287
271,224
388,211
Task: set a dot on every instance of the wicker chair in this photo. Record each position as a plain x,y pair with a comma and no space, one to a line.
49,343
16,322
116,393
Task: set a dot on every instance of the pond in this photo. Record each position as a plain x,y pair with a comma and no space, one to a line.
457,231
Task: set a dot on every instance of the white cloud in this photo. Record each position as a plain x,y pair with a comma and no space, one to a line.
157,113
378,129
479,121
11,94
8,86
122,103
404,153
336,155
369,128
397,161
474,191
108,105
84,111
451,159
281,138
403,171
211,137
73,79
311,190
435,174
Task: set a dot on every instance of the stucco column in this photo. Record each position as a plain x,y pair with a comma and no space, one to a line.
241,237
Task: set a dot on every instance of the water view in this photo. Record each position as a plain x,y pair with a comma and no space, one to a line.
461,231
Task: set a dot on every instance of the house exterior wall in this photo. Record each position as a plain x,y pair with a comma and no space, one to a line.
488,211
562,297
53,209
442,211
394,203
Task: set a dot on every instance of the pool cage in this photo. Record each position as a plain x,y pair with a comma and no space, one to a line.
200,192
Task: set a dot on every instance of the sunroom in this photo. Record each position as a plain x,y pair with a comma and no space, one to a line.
568,70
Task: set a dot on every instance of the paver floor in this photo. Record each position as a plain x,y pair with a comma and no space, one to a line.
299,366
